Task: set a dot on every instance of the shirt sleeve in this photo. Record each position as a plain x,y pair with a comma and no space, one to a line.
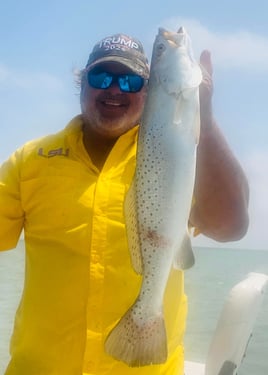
11,212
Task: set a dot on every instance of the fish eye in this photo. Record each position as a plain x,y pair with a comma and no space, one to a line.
161,47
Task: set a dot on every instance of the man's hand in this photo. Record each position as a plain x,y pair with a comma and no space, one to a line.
221,188
206,87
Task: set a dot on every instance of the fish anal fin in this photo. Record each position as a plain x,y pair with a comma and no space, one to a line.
184,257
138,344
132,229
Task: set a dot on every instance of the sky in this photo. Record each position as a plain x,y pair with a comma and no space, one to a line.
42,43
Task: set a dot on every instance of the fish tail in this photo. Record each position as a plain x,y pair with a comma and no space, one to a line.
138,343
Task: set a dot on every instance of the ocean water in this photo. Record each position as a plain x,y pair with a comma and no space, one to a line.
207,285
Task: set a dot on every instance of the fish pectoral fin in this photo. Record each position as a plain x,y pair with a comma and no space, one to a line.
132,229
138,344
184,258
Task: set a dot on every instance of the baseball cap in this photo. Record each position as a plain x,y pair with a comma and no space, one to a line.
123,49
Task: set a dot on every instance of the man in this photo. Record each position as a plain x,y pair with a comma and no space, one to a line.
67,191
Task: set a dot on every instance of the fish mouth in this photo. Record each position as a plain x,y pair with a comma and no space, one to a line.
181,30
174,38
168,34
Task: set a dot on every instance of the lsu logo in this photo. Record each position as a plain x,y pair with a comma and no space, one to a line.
51,153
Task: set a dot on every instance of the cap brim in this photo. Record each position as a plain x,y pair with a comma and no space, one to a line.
143,71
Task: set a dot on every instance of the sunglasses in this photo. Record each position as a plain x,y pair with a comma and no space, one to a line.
126,82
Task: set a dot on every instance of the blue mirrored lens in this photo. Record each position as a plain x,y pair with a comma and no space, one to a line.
100,80
130,82
126,82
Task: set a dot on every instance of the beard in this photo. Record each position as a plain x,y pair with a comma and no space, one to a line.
110,115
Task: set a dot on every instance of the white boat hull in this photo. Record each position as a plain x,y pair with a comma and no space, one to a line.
234,329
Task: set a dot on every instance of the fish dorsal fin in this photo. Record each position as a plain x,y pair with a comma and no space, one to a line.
132,229
184,258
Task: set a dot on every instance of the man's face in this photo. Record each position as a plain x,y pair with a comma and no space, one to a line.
111,112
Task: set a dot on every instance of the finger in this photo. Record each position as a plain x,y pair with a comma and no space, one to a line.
205,61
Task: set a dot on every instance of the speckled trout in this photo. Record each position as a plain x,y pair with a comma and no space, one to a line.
158,204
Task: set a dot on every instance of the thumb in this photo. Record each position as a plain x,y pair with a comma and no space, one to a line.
205,61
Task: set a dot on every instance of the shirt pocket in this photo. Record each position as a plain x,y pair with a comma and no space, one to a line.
48,202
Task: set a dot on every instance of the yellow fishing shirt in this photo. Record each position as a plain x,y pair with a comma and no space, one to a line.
78,275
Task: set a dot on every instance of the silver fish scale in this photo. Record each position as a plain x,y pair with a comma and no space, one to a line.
149,180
